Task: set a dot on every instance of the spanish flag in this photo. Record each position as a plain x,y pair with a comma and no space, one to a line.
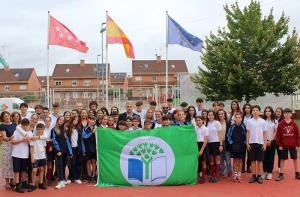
116,35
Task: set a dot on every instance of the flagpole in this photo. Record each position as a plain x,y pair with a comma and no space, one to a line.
48,35
106,73
167,78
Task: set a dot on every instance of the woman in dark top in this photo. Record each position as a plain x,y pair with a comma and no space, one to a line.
7,129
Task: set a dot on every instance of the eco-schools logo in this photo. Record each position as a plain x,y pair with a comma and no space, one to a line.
147,161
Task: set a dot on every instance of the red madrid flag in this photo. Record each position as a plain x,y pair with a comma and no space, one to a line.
60,35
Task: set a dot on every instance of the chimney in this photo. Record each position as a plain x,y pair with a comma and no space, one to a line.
81,63
6,68
158,59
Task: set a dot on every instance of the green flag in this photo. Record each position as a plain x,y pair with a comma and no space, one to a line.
163,156
2,61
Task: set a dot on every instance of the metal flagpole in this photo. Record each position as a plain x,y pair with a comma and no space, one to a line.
106,73
48,36
167,78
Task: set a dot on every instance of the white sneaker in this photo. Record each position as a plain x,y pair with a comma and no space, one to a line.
65,182
269,176
60,185
78,181
264,175
69,181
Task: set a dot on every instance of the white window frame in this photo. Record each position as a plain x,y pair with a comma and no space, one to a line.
163,90
43,89
58,83
74,83
86,83
6,88
86,95
154,79
75,95
138,78
139,91
56,95
23,87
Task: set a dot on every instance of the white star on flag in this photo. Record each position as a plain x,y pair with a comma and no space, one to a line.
66,31
70,37
61,35
57,28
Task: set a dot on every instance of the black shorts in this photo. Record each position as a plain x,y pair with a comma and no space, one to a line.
238,155
256,153
205,154
91,155
213,148
283,154
39,163
19,164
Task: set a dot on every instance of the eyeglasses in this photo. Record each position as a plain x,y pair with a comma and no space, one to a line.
165,107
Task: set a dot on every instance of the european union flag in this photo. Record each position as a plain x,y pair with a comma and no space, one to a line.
178,35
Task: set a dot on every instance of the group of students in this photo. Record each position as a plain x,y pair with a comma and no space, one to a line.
31,142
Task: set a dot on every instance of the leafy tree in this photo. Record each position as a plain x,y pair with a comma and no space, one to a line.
146,151
28,98
253,56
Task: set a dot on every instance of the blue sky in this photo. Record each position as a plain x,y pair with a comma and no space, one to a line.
23,34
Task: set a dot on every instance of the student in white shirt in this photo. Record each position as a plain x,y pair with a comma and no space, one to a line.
24,114
256,140
38,158
139,110
199,103
170,105
215,144
202,138
272,124
20,155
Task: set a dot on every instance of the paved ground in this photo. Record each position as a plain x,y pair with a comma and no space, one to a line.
288,187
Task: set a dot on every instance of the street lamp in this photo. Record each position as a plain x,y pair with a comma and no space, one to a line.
97,68
140,82
102,68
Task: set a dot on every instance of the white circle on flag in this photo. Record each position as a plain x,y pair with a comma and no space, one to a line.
147,160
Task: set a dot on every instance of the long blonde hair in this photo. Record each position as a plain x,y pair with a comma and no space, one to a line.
152,118
57,130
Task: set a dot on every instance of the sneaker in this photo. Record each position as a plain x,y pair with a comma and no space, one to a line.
297,176
280,177
202,181
259,180
26,186
253,179
269,176
78,181
235,178
60,185
215,179
95,179
264,175
19,189
243,170
32,188
89,179
42,186
69,181
211,179
249,170
65,182
239,179
49,183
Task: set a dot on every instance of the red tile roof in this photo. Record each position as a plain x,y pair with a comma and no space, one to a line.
15,75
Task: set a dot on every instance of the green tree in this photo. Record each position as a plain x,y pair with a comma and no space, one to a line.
146,151
28,98
253,56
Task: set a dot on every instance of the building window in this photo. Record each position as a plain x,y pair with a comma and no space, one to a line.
75,95
165,78
139,78
164,90
87,83
22,87
6,88
74,83
104,82
56,95
67,70
138,90
154,79
58,83
43,81
43,89
86,95
17,74
172,65
146,65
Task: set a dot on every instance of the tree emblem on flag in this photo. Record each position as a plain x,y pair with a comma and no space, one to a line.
146,151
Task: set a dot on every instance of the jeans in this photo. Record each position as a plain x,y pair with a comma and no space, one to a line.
225,156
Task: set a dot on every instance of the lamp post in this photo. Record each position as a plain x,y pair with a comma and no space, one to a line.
140,82
102,66
97,68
